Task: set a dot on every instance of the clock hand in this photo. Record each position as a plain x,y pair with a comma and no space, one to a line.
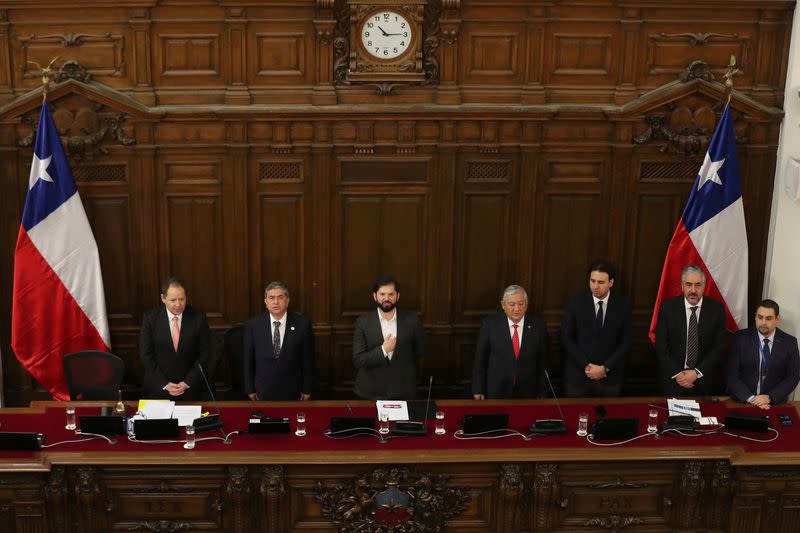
383,32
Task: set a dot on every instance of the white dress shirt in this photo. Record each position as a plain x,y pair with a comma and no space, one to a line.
388,327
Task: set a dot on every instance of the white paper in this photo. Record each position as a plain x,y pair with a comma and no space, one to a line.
684,407
395,410
709,421
186,414
156,409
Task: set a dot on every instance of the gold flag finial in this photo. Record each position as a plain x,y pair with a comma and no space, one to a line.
730,72
46,74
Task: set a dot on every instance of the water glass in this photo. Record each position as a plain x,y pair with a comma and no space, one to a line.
439,423
70,418
583,424
652,421
189,445
384,427
300,426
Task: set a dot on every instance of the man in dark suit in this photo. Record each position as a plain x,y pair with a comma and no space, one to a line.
511,353
175,338
596,336
763,367
278,351
386,346
690,337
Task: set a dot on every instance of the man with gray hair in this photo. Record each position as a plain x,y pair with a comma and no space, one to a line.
690,337
278,351
511,353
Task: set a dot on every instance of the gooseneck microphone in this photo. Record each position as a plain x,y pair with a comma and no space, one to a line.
415,429
207,423
550,426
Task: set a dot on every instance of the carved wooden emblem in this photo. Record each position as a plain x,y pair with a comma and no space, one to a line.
387,501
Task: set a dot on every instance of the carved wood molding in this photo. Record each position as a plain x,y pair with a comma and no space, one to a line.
272,489
237,488
387,499
613,522
617,483
696,39
68,39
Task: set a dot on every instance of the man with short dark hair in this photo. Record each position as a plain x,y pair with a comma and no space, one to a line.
386,346
596,336
690,337
764,364
278,351
511,353
175,338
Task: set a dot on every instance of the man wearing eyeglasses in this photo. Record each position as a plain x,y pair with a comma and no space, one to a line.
511,352
278,351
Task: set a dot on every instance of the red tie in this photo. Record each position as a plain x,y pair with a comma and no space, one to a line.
515,341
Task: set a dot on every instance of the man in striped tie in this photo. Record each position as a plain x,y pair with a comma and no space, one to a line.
690,337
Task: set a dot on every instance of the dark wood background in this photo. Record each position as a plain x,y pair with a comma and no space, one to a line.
221,142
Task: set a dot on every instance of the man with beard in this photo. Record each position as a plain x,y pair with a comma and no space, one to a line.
386,346
596,336
511,353
690,337
278,351
764,365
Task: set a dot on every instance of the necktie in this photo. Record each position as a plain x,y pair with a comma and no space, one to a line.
764,358
176,333
515,341
599,318
692,340
276,339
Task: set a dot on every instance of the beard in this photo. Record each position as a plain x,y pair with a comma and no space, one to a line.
386,306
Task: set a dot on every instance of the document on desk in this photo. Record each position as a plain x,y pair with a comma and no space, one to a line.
155,409
186,414
395,410
684,407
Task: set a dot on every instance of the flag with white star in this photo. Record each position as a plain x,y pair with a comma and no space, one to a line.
58,300
711,232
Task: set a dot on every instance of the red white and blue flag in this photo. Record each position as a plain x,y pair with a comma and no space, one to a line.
58,301
711,232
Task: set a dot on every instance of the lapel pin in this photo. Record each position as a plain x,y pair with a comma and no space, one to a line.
292,328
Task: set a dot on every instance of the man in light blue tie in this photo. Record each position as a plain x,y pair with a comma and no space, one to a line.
764,365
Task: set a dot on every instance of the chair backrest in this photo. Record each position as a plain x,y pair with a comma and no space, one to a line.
234,350
212,366
93,375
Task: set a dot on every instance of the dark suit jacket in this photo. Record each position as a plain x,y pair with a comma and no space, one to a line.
783,370
288,375
671,344
163,365
584,343
494,367
379,378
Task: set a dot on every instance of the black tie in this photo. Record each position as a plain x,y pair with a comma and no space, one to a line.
692,340
764,358
276,339
599,318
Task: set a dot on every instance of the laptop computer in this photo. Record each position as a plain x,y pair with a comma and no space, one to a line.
20,440
615,428
156,429
102,425
351,423
473,424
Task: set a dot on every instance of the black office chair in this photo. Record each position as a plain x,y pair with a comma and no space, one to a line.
93,375
234,350
212,365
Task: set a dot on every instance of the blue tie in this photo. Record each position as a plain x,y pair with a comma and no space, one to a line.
764,358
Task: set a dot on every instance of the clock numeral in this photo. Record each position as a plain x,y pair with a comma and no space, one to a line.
376,49
376,18
402,25
369,25
405,34
394,49
366,34
369,43
386,51
402,43
386,16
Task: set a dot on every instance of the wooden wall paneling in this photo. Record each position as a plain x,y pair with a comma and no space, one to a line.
630,28
448,91
190,226
236,93
6,91
493,54
773,30
669,46
139,55
533,92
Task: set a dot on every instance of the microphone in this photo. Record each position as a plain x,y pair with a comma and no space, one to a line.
415,429
207,423
550,426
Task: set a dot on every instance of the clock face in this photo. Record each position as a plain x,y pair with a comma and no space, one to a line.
386,34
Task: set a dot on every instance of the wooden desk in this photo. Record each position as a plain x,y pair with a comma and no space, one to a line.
304,484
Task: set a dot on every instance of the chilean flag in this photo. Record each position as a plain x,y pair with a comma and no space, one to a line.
711,232
58,301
